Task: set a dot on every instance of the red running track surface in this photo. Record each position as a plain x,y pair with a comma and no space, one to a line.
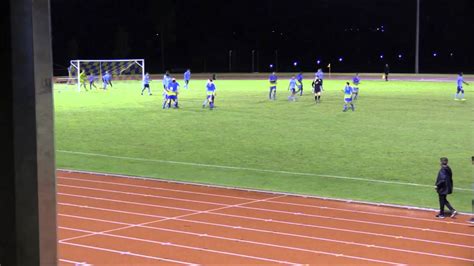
109,220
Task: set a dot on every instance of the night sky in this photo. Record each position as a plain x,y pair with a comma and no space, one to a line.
200,34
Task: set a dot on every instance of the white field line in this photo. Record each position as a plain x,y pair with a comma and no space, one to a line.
264,210
263,243
193,212
277,202
240,241
120,251
76,263
255,169
269,221
178,246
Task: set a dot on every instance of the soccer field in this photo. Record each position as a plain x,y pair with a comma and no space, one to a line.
386,151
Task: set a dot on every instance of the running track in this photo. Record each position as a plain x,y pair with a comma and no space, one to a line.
106,219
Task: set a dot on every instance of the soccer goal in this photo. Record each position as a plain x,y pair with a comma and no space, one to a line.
120,69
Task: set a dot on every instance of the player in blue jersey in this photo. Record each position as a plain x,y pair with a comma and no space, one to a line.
166,80
348,97
172,94
146,83
299,78
92,78
211,94
107,79
319,74
317,89
355,88
187,78
460,81
292,88
273,86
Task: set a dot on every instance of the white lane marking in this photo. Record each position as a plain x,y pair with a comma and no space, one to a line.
121,252
241,241
273,245
244,198
225,206
175,245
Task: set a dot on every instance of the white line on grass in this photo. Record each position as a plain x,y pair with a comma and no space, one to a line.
255,169
269,244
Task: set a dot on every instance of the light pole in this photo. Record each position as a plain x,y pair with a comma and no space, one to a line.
253,61
417,42
230,60
276,60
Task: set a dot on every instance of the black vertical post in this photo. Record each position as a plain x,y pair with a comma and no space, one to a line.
27,183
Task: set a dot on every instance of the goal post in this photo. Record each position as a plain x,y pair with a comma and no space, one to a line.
121,69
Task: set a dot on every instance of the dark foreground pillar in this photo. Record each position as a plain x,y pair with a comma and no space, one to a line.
27,177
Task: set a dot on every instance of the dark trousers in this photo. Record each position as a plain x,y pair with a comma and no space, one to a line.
443,201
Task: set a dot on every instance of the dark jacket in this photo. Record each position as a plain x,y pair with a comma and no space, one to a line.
444,182
387,69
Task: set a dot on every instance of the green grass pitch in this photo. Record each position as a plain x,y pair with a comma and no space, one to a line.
398,132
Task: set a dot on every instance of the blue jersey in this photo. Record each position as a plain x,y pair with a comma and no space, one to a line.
173,87
273,78
166,80
107,77
91,78
356,80
211,88
292,84
187,75
146,79
320,74
348,91
299,77
460,81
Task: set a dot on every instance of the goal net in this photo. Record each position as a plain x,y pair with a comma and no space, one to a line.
123,69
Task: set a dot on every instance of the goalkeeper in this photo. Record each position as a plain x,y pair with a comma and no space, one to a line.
82,79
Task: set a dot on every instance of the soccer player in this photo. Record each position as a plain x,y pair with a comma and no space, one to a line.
69,71
82,79
460,89
211,94
317,88
273,86
172,92
107,80
386,72
348,97
355,82
146,83
320,75
92,78
166,81
292,88
187,78
299,78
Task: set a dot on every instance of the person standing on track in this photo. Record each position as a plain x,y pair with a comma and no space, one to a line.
444,187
